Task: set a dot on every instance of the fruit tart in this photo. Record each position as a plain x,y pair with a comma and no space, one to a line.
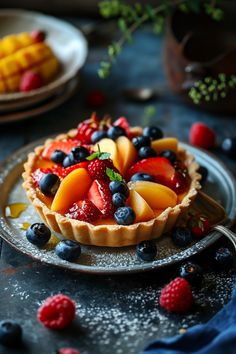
109,184
26,62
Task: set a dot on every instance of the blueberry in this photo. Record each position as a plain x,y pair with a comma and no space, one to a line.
192,272
140,141
79,154
153,132
58,156
10,333
142,177
224,258
146,250
170,155
114,132
119,187
146,152
118,200
203,171
229,147
124,216
38,234
68,161
68,250
181,236
98,135
49,184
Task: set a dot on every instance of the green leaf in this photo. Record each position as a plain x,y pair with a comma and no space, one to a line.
114,176
98,155
93,156
104,156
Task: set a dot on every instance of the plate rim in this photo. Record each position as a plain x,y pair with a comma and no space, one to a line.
132,269
58,82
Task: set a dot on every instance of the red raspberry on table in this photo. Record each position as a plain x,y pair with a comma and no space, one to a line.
202,136
97,168
30,80
177,296
84,210
57,311
67,351
199,226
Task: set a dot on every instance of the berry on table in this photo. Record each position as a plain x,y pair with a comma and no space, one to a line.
57,312
170,155
38,234
68,250
49,184
98,135
67,351
199,226
142,177
38,35
118,200
153,132
119,187
191,272
176,296
224,258
58,156
84,210
146,250
10,333
30,80
202,136
140,141
181,236
146,152
124,216
115,132
228,146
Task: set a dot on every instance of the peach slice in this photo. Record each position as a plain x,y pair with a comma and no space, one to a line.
156,195
73,187
108,145
165,144
127,153
141,208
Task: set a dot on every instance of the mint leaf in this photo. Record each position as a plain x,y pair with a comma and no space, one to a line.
93,156
104,156
114,176
98,155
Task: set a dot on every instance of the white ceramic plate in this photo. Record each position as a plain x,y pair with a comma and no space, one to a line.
68,43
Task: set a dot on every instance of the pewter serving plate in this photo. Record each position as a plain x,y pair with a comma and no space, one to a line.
220,185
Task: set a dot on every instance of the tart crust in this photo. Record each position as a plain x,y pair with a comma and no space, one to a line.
110,235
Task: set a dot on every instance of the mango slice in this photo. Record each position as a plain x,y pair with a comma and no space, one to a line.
141,208
127,153
165,144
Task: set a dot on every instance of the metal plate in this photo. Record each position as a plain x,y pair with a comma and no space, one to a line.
220,185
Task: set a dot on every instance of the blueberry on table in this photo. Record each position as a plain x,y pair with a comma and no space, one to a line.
98,135
142,177
38,234
170,155
140,141
229,147
115,132
118,200
145,152
58,156
153,132
181,236
10,333
223,258
124,216
146,250
49,184
68,250
192,272
119,187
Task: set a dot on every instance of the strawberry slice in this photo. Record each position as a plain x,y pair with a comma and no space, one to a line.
84,210
158,167
99,194
65,171
123,123
64,145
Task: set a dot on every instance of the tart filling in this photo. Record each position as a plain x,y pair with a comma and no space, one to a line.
107,184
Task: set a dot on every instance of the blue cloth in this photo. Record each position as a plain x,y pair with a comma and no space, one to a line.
218,336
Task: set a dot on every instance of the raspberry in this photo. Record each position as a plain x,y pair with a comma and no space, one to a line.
202,136
57,312
199,226
176,296
83,210
30,81
67,351
97,168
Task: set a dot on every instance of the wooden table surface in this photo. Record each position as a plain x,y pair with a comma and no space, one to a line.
119,314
